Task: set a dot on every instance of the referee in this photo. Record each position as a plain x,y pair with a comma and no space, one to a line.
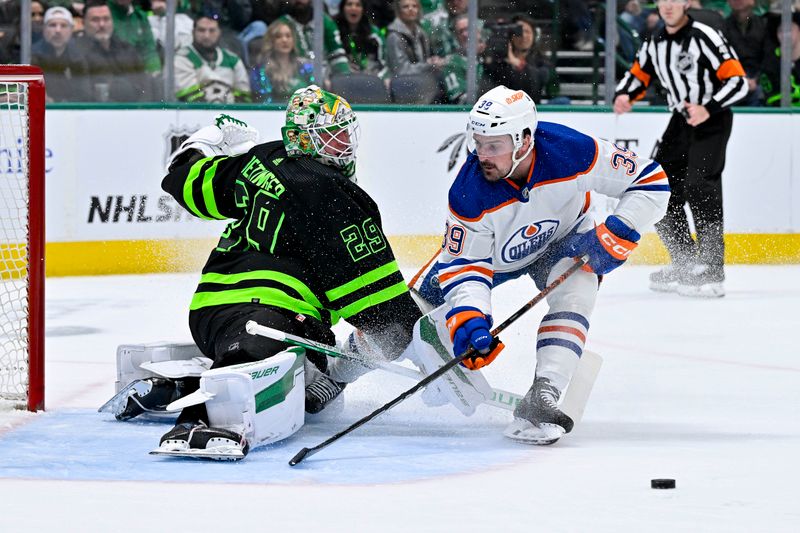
703,78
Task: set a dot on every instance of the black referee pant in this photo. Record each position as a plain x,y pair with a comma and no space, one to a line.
693,158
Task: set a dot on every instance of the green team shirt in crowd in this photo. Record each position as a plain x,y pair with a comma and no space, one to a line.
770,80
454,73
222,80
131,25
302,238
331,42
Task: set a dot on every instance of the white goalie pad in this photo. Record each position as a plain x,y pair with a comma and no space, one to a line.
136,363
158,359
264,400
430,349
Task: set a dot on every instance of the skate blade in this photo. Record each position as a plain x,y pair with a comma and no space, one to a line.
233,454
119,401
703,291
664,287
225,450
523,431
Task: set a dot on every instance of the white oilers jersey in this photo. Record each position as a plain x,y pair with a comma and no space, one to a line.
502,227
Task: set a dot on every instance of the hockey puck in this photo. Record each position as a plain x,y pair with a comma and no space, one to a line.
662,483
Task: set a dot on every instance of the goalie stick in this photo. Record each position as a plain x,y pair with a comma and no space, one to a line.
501,399
307,452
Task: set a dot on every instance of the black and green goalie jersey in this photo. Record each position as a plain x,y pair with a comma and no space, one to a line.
303,238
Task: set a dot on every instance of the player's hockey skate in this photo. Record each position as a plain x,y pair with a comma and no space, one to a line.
703,281
537,418
151,395
320,392
667,279
202,442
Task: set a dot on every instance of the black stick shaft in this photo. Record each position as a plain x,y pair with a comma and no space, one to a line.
307,452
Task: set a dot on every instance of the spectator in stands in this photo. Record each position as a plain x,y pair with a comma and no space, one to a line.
747,34
233,14
9,31
10,28
524,66
233,17
771,74
300,18
633,15
408,48
278,71
131,25
184,26
252,36
37,20
454,71
362,41
429,6
379,12
653,23
115,67
707,15
66,71
576,24
438,25
630,24
207,72
267,10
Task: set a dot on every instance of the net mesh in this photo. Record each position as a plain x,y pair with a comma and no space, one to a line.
13,241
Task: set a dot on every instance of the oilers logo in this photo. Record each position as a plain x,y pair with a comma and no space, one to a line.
528,240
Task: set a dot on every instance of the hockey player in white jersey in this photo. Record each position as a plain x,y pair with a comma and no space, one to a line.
519,207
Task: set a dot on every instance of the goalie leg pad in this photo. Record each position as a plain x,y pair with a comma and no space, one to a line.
264,401
150,376
430,349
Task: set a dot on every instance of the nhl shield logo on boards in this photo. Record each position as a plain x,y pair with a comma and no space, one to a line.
174,137
528,240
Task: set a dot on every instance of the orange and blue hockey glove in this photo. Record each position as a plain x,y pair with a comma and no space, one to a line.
608,246
470,327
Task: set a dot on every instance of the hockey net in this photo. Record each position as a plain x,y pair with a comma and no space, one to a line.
21,237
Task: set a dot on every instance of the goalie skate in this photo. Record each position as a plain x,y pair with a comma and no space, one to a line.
198,441
151,395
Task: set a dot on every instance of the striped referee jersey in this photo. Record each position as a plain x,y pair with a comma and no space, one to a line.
695,64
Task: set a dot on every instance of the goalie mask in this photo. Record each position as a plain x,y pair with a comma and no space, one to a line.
503,112
322,125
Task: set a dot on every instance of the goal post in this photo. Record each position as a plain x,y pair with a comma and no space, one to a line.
22,236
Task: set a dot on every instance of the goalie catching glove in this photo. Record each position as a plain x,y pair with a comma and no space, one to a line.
608,246
228,136
470,327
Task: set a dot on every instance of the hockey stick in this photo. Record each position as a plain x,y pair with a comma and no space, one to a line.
307,452
501,399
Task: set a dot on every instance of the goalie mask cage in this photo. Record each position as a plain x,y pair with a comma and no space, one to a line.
22,98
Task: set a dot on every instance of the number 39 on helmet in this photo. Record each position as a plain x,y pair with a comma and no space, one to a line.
503,111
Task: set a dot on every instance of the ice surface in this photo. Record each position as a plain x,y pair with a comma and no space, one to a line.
706,392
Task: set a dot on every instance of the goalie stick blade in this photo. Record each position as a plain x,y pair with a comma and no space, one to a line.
299,456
